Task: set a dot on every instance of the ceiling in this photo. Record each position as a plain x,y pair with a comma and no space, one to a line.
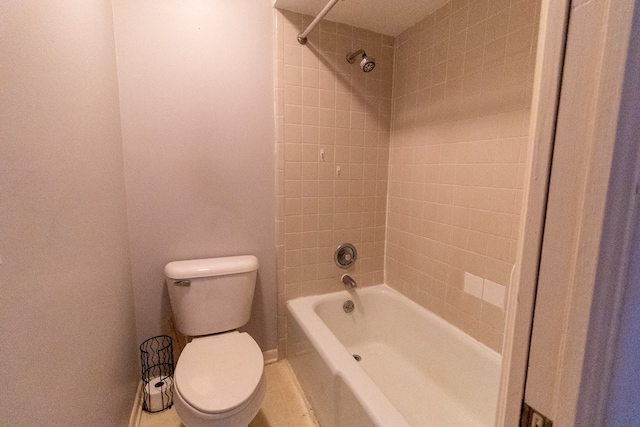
389,17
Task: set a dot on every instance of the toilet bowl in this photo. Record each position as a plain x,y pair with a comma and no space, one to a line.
219,377
219,381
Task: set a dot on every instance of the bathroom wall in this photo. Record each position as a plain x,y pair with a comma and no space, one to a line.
68,354
196,92
462,90
330,115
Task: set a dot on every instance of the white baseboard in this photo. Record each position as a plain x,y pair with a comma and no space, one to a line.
136,411
270,356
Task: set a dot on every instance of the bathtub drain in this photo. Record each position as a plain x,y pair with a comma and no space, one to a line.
357,357
348,306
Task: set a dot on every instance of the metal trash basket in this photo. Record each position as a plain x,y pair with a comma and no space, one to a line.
156,357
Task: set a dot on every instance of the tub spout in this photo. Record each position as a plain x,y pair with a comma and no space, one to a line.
348,281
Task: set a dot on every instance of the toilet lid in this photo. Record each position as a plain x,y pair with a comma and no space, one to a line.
219,372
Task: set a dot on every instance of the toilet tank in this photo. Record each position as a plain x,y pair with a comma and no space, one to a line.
211,295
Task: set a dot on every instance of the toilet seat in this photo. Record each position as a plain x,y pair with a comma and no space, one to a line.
219,373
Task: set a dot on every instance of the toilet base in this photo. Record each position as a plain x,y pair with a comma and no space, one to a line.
239,417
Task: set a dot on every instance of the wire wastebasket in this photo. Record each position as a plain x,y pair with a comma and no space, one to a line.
156,357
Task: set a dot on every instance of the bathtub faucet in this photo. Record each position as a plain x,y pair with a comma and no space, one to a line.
348,281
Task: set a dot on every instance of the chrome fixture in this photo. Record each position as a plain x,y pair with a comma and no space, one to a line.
348,306
345,255
183,283
367,64
302,37
348,281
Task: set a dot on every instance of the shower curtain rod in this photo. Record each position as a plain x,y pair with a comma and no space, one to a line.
302,37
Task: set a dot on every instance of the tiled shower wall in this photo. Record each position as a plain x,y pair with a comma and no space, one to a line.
330,115
445,148
462,91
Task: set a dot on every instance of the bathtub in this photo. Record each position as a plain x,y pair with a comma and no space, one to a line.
415,369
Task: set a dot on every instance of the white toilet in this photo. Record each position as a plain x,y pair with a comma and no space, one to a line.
219,377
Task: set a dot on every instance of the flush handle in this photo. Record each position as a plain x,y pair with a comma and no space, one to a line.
183,283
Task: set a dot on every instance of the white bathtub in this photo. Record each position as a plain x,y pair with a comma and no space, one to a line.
416,369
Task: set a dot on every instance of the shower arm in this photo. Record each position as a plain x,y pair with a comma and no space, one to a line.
302,37
351,57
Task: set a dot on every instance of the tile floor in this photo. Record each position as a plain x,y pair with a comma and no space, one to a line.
283,405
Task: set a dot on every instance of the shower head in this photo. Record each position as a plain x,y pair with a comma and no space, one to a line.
367,64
